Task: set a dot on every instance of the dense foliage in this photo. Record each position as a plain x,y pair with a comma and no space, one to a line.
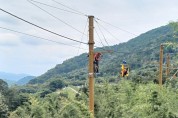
126,99
54,105
3,107
130,100
137,96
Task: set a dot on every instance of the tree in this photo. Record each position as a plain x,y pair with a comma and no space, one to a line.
56,84
3,87
3,107
174,25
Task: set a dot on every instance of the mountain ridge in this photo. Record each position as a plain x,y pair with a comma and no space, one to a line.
12,76
136,51
24,80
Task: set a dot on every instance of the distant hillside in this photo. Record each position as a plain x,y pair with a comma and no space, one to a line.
138,52
11,76
25,80
9,82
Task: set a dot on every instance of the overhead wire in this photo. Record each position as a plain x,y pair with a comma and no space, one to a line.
42,27
69,7
81,13
58,8
102,34
46,29
82,36
99,38
87,16
116,27
52,31
55,17
108,31
95,18
39,37
65,36
67,44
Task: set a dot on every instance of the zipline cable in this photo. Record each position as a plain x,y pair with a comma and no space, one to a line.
99,38
39,37
108,31
45,29
69,7
58,8
55,17
95,18
82,35
116,27
42,27
102,34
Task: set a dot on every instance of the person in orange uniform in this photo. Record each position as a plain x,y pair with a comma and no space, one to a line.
97,58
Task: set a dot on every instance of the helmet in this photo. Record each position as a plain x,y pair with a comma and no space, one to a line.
124,62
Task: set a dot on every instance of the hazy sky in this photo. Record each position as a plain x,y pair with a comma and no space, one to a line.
21,53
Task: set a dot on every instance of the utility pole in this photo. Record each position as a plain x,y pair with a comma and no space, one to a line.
161,65
91,60
167,65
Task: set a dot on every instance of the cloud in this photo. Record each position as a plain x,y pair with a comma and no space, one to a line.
35,59
26,54
6,20
9,39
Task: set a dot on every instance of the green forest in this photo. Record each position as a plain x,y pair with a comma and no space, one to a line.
62,92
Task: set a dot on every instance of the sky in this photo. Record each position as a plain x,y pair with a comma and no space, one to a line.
120,21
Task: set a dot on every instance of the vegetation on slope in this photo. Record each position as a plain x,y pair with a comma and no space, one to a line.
126,99
136,97
138,52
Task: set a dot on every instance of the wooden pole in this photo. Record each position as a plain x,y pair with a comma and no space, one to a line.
91,60
161,65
